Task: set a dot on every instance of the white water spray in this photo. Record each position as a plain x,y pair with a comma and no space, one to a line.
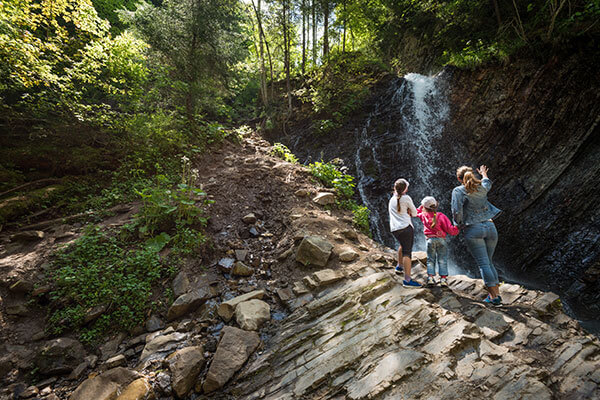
414,116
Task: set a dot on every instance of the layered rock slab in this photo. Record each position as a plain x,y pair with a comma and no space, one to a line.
371,338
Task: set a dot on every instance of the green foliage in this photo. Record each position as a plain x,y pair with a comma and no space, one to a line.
471,32
107,9
187,240
360,215
59,60
119,269
281,151
164,207
361,218
98,270
339,87
473,56
199,42
330,175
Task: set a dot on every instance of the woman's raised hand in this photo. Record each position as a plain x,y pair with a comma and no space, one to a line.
483,170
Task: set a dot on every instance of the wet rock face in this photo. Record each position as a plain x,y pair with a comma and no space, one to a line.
538,129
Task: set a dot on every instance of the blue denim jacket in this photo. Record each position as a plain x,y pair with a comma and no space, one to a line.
470,208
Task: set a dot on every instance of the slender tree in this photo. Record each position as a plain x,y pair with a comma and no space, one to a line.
344,28
325,29
263,40
285,24
314,30
497,12
303,10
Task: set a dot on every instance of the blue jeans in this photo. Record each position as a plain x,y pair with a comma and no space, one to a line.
437,250
481,239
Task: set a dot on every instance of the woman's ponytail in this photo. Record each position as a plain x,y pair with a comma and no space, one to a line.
467,177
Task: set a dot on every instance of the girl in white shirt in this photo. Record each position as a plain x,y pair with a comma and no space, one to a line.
401,209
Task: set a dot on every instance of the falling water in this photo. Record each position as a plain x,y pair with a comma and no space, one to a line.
398,139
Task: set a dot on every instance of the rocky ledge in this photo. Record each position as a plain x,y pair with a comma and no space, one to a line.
369,337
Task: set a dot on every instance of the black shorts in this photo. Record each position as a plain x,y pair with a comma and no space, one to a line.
405,237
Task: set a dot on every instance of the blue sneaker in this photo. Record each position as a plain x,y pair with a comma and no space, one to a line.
411,284
495,302
399,270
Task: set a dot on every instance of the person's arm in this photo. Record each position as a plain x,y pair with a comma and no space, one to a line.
412,211
485,181
419,211
447,226
458,200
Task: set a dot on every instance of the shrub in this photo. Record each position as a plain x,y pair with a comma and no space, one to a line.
360,215
330,175
281,151
165,208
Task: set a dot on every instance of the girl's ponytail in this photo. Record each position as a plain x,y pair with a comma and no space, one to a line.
434,220
399,187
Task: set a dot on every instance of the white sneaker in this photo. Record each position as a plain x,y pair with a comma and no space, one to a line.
444,282
430,281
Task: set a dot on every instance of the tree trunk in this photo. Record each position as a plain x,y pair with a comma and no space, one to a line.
497,12
314,31
264,41
286,53
325,29
263,74
303,36
344,35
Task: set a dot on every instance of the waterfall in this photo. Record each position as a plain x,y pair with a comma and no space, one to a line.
398,140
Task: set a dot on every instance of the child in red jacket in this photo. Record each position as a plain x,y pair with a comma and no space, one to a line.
436,225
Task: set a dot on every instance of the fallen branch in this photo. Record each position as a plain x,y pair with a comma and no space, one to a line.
45,224
119,209
41,182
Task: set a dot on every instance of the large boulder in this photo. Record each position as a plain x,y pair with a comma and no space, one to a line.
185,366
59,356
227,308
181,284
250,315
348,255
188,302
162,343
241,269
314,250
105,386
140,389
324,198
235,347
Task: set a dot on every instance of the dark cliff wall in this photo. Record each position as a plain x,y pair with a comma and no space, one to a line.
538,129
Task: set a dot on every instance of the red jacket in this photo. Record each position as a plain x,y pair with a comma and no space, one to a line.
443,226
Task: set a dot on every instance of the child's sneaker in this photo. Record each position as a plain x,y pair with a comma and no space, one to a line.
399,270
411,284
430,281
444,282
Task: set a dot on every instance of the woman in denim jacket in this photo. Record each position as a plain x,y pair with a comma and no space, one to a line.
473,212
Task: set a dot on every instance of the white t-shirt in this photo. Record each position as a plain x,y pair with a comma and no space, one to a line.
401,219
